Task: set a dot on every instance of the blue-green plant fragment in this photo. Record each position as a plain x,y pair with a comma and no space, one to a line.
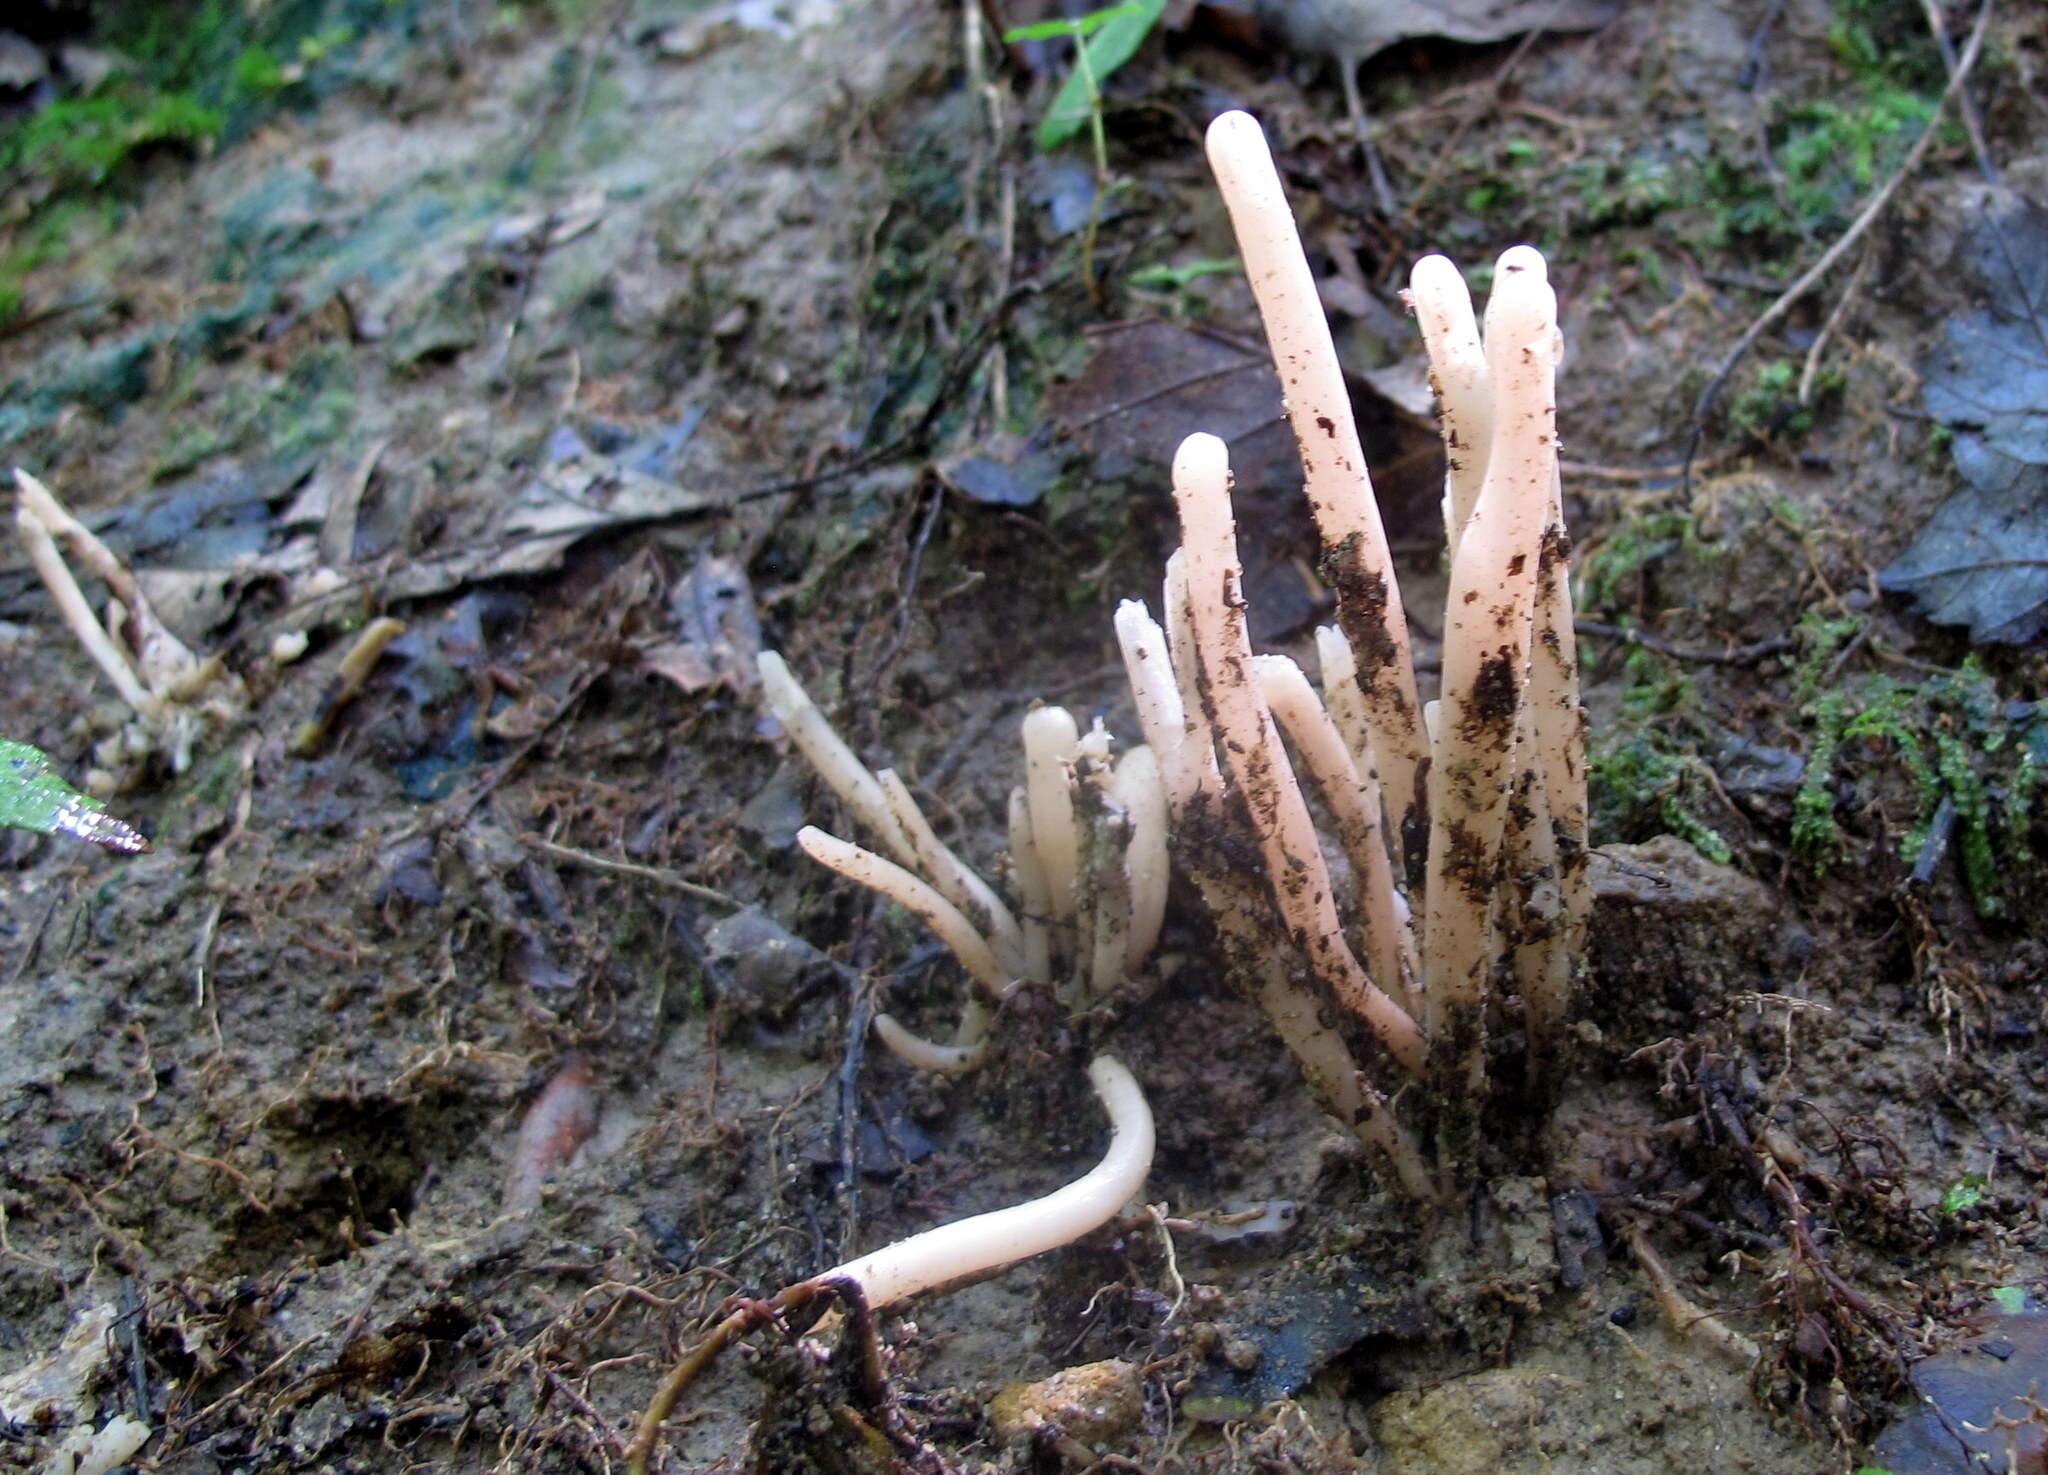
33,797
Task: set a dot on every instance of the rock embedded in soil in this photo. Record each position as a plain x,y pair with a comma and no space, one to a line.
1979,1409
1096,1404
1673,933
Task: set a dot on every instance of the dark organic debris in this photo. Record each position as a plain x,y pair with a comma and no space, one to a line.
1303,1325
997,480
759,965
718,629
1357,30
1982,559
409,874
1147,382
193,545
1978,1413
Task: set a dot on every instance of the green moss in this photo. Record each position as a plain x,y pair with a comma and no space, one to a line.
1814,832
1645,777
1886,43
1821,637
2017,817
1707,183
1640,789
80,142
1768,407
1643,539
1959,742
1973,820
1885,726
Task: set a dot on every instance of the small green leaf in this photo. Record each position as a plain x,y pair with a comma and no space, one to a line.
1119,32
33,797
1965,1193
1087,25
2012,1300
1163,275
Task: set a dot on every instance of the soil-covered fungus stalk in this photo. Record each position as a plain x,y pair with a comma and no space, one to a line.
955,1251
1447,961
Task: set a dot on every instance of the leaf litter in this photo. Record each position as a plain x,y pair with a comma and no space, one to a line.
1982,559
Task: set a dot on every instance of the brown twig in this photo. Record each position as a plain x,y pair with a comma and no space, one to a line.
1637,473
906,598
628,868
747,1316
1740,655
1965,106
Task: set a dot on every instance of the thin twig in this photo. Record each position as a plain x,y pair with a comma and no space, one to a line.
1686,1316
226,1398
1740,655
906,598
745,1318
1753,62
858,1019
1440,158
626,867
1669,473
1974,566
134,1313
1836,252
1965,105
1811,370
1189,381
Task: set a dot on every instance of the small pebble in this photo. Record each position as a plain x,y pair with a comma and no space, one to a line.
1095,1403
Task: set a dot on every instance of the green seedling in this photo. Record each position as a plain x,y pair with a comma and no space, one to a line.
1103,41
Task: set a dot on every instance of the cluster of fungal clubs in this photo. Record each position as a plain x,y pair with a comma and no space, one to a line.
1087,848
1446,942
1456,918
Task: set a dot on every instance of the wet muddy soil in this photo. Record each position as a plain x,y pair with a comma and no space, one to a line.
607,347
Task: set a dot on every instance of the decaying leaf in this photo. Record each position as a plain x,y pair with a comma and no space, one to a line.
1355,30
720,630
1982,559
1977,1403
1149,381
